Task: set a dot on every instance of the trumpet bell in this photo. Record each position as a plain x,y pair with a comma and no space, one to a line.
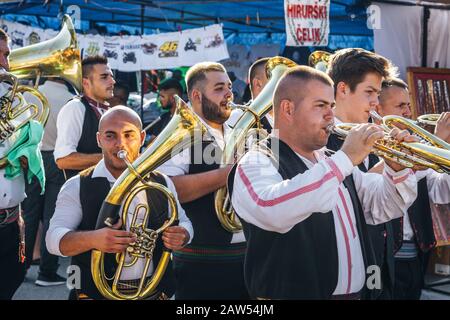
319,60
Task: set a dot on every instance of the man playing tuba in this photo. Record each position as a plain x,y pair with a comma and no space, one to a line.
12,266
72,228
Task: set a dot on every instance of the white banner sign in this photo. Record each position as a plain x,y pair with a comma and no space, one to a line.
134,53
307,22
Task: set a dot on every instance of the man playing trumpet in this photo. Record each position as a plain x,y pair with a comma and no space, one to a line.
414,234
305,211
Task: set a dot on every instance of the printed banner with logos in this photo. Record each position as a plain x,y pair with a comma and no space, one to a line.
134,53
307,22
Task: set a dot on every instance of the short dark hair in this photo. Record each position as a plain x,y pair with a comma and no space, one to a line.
388,84
254,68
3,35
171,83
89,62
198,72
284,89
122,86
394,82
352,65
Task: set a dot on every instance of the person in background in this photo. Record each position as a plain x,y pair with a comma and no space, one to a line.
121,94
39,207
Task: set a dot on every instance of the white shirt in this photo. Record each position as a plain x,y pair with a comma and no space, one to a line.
237,113
438,190
179,164
70,127
12,192
57,95
263,194
68,215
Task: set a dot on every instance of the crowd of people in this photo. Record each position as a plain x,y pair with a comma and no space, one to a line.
321,216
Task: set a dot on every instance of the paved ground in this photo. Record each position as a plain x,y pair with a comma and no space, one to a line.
29,291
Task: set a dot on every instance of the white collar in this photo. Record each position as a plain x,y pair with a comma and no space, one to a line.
100,171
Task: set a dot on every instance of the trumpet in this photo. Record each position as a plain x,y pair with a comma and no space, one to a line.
432,152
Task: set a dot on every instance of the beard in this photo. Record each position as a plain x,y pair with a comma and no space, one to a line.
214,112
168,106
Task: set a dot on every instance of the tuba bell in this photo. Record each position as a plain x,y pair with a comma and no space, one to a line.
56,57
275,68
319,60
183,130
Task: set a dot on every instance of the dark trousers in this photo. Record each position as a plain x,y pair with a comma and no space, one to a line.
209,280
12,271
408,279
37,207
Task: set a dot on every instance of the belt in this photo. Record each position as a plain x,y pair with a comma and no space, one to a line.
9,215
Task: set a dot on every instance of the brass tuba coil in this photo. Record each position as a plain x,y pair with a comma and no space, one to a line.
275,68
183,130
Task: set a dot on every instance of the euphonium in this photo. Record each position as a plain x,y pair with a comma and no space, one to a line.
432,152
56,57
275,68
15,112
183,130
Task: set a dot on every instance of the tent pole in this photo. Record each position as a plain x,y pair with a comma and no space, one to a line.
426,18
142,71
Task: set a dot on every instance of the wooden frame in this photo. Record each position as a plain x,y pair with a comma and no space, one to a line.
430,90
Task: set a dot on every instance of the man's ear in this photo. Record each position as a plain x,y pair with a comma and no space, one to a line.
142,137
287,108
98,140
85,82
196,95
342,89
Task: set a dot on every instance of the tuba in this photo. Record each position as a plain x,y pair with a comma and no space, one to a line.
183,130
57,57
275,68
432,152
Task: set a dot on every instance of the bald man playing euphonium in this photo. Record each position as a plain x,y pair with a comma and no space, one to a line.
72,228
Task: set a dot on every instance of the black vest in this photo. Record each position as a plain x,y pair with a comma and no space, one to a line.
308,252
266,125
201,212
88,140
381,235
93,192
421,221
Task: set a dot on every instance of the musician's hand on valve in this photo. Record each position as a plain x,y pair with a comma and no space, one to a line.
113,240
400,136
360,140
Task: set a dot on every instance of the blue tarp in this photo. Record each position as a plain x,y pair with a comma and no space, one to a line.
245,22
